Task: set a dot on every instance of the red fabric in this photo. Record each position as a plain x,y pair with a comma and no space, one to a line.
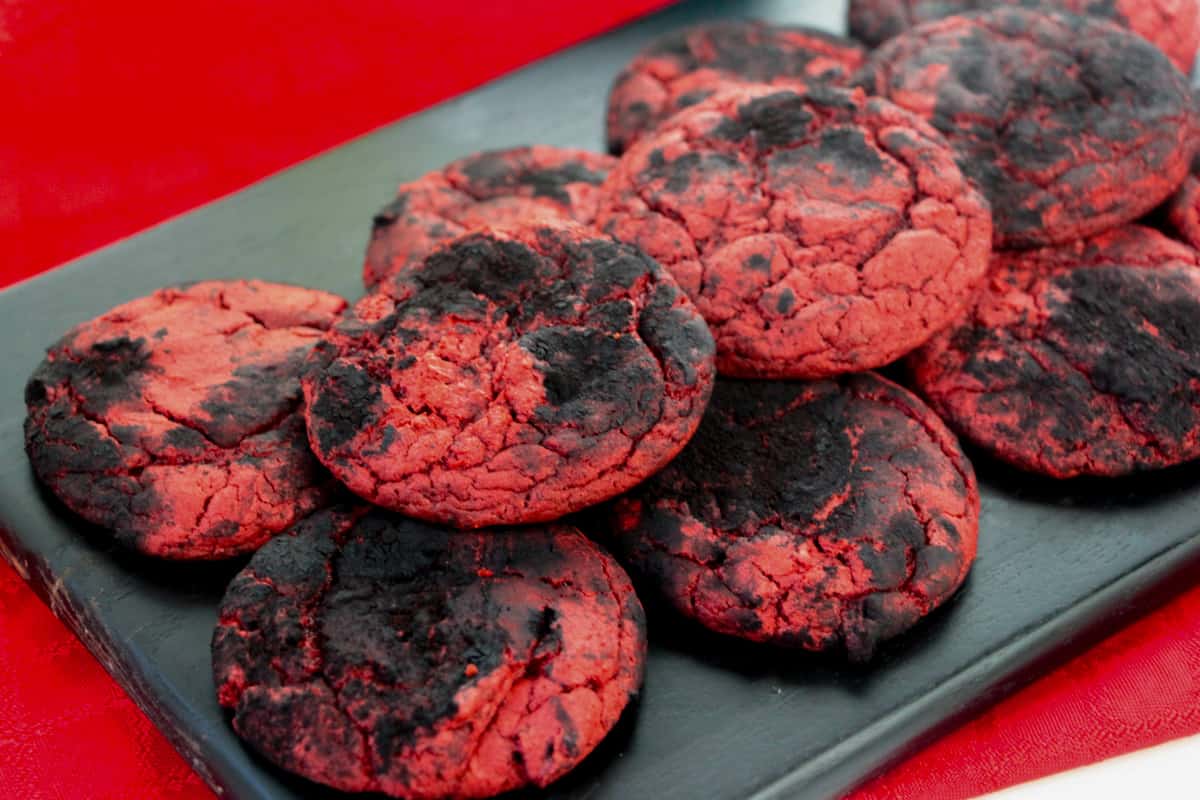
1138,688
66,729
119,114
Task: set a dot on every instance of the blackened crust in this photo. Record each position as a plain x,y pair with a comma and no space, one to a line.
818,234
174,420
371,652
515,376
1173,26
685,67
1082,359
495,187
1070,125
828,516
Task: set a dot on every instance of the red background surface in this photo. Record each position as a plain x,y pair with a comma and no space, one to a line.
117,115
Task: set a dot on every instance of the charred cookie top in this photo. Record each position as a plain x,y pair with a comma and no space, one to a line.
516,376
1082,359
371,652
817,233
1069,124
174,420
496,187
828,515
686,66
1172,25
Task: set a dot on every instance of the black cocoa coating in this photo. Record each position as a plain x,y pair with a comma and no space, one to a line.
1081,359
174,421
514,376
688,66
376,653
828,516
495,187
1070,125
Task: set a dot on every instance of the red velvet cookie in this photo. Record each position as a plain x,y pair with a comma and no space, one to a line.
517,375
174,420
374,653
818,234
829,515
684,67
1172,25
1070,125
1082,359
497,187
1183,209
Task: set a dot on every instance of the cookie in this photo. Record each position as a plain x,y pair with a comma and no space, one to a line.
1183,209
1172,25
828,516
684,67
818,234
174,420
1082,359
1070,125
374,653
515,376
496,187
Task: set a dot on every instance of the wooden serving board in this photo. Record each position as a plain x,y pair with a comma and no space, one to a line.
1058,564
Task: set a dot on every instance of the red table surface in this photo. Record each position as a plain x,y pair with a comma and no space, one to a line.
117,115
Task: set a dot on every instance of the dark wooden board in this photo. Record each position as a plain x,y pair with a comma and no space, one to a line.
1058,565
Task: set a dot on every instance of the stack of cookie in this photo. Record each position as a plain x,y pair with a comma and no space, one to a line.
680,338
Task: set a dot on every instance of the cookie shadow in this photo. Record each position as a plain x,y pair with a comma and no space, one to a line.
1138,490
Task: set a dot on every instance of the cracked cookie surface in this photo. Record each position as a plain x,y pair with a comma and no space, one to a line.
828,516
372,652
1172,25
1082,359
515,376
685,67
174,420
1183,209
496,187
818,234
1070,125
